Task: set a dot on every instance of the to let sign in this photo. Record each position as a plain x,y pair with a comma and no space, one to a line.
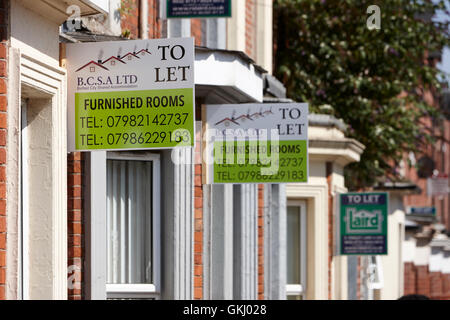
136,94
198,8
363,223
257,143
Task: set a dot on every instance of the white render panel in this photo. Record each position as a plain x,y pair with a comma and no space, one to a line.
422,255
409,248
38,37
224,69
436,259
45,85
264,41
236,26
446,261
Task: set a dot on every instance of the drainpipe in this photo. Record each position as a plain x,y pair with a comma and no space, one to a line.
144,19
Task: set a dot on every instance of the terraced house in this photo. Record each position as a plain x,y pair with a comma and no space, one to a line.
60,211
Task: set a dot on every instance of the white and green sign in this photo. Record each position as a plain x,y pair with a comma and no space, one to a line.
136,94
257,143
363,223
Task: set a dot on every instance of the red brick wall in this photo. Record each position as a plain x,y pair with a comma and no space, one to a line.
261,242
4,12
409,278
196,31
442,164
446,286
129,17
130,21
436,285
422,280
154,22
250,28
75,225
198,232
418,280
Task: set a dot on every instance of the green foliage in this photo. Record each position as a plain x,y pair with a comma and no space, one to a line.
126,33
372,79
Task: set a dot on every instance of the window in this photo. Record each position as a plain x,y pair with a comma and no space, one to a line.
132,221
296,250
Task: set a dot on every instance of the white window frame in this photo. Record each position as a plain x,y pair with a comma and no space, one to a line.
23,262
143,291
299,289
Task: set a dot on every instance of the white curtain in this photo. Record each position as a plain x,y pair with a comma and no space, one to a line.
129,221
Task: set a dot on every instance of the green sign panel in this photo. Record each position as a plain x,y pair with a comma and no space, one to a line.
134,119
363,223
283,162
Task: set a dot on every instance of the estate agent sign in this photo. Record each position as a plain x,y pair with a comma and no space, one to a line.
136,94
257,143
198,8
363,223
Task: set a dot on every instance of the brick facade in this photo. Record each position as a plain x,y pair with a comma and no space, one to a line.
154,22
4,27
446,286
439,152
75,236
250,28
418,280
196,31
422,280
129,18
409,278
436,285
